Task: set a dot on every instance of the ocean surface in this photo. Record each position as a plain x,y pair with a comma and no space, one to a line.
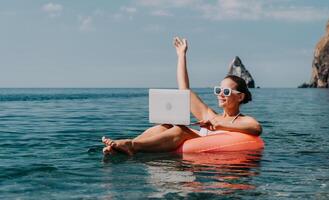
50,148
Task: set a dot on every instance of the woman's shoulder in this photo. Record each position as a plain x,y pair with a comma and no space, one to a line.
249,119
252,122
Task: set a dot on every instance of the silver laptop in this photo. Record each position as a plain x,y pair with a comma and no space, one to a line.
169,106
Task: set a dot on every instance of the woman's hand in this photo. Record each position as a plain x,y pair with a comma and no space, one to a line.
180,45
211,124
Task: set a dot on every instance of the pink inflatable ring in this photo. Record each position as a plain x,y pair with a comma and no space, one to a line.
223,141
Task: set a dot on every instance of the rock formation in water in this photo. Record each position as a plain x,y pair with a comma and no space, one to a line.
320,66
238,69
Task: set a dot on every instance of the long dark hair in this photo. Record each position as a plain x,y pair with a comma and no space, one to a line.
242,87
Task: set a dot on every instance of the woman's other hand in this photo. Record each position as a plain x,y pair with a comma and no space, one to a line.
208,124
180,45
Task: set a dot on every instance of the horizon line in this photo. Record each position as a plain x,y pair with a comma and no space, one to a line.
136,88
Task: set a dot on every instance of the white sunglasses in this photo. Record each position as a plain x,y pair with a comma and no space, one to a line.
226,91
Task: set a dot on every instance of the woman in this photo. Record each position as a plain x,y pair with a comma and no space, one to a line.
231,94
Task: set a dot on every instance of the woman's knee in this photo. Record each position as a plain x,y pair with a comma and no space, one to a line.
184,131
167,126
182,128
160,127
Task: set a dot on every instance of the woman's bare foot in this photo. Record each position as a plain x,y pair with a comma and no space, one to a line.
107,141
124,146
108,150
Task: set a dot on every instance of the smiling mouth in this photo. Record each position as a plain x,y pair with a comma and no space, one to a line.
221,100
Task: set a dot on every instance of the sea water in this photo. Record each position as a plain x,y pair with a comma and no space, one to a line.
50,148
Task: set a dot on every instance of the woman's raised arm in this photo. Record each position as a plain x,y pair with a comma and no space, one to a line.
199,109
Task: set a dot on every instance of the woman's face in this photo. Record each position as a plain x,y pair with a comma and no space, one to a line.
229,101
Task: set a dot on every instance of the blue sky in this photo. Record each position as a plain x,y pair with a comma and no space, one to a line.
103,43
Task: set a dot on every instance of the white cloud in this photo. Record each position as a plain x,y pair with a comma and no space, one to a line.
240,9
130,10
86,23
117,16
298,14
258,10
125,12
53,10
162,13
154,28
232,9
99,12
168,3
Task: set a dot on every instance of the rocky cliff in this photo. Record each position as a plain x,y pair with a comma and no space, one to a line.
320,66
238,69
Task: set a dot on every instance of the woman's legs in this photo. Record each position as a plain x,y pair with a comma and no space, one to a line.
169,140
154,130
147,133
152,141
